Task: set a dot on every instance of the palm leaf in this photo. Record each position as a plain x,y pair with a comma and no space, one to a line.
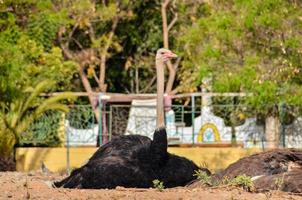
52,102
41,87
54,106
19,115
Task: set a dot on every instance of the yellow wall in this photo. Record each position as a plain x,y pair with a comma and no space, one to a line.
213,158
55,158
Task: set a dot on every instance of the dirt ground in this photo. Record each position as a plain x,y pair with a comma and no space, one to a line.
17,185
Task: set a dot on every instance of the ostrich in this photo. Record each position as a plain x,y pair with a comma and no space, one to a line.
267,167
134,160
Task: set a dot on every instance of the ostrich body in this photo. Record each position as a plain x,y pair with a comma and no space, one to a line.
134,160
267,167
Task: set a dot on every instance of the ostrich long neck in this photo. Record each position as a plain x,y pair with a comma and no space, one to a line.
160,120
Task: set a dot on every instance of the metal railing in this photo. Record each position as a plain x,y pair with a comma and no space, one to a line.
201,124
194,125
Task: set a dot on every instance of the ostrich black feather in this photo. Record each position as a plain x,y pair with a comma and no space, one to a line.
132,161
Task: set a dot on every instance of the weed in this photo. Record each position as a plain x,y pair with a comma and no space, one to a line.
158,184
243,181
203,177
279,182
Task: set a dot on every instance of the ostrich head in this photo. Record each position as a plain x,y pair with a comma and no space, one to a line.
164,55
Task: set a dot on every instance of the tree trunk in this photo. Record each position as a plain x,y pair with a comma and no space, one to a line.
272,131
171,78
165,23
233,136
89,90
166,27
102,85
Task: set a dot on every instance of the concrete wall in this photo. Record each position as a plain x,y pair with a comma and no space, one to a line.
29,159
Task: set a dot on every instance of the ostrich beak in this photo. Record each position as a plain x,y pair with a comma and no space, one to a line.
171,55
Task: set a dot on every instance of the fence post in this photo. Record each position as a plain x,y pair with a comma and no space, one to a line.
282,108
110,123
193,115
68,154
100,122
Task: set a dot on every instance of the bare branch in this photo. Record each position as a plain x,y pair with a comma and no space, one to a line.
187,101
172,74
126,89
166,28
111,34
72,31
174,20
175,17
176,64
165,3
91,32
77,42
95,78
165,23
144,90
64,45
173,92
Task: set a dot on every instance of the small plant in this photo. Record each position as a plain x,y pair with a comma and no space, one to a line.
203,177
158,184
225,181
244,181
279,182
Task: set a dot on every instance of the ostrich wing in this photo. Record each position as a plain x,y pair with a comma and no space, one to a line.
159,146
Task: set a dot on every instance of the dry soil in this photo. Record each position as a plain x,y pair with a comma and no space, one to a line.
17,185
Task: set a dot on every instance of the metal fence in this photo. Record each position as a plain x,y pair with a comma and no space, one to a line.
226,125
215,124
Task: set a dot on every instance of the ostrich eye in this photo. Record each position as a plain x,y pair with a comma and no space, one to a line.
162,53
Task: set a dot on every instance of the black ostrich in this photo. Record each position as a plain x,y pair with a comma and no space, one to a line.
275,169
134,160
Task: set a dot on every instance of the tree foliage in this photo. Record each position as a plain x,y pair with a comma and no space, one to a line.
29,65
17,116
246,46
123,36
251,46
24,62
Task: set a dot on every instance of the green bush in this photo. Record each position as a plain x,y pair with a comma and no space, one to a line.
43,131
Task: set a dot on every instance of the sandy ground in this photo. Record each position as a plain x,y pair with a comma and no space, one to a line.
16,185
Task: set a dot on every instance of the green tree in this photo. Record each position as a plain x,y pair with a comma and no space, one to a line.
25,65
23,62
247,46
17,116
